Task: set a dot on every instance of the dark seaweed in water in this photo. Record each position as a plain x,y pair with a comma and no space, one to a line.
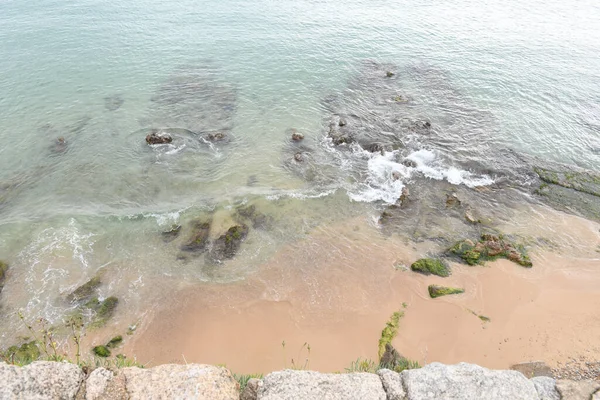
114,102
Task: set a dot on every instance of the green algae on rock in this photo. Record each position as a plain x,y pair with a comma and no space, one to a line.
23,354
198,240
489,248
429,266
85,291
115,342
438,291
389,332
101,351
228,244
104,310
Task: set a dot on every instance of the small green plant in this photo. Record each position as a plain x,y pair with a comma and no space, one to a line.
243,379
101,351
363,365
297,364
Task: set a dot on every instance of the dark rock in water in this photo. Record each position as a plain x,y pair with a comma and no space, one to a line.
409,163
3,270
404,197
489,248
452,200
298,157
391,356
158,138
228,244
171,234
296,137
198,241
375,148
216,137
252,180
104,310
113,103
581,181
342,122
85,291
389,74
59,146
397,176
250,213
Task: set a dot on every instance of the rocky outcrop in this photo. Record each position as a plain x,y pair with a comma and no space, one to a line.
40,380
52,380
292,385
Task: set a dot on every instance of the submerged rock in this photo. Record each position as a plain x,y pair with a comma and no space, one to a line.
227,245
3,270
85,291
158,138
217,137
59,146
438,291
296,137
429,266
298,157
198,240
257,218
115,342
171,234
389,74
489,248
104,310
581,181
114,102
452,200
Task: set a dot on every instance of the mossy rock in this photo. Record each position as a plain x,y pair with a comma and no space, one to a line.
438,291
228,244
104,310
257,218
389,332
171,234
429,266
101,351
3,269
198,240
581,181
23,354
489,248
115,342
85,291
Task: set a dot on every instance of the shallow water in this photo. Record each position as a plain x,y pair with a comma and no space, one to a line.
497,80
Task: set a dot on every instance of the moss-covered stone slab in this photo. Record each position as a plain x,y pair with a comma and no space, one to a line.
115,342
489,248
581,181
439,291
104,310
428,266
389,332
85,291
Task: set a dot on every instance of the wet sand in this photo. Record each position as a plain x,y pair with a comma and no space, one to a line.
336,289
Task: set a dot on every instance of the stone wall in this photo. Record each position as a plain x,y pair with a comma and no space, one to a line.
49,380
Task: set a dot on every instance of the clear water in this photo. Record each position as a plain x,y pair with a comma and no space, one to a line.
514,75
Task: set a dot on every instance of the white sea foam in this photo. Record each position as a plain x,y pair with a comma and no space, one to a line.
380,183
430,165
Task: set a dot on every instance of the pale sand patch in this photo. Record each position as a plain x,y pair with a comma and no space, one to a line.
336,289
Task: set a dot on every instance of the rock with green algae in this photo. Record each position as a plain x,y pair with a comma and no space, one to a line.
171,234
23,354
85,291
438,291
3,269
198,240
115,342
429,266
389,332
581,181
489,248
104,310
257,218
101,351
227,245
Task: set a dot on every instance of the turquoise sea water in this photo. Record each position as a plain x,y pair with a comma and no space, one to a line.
515,75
